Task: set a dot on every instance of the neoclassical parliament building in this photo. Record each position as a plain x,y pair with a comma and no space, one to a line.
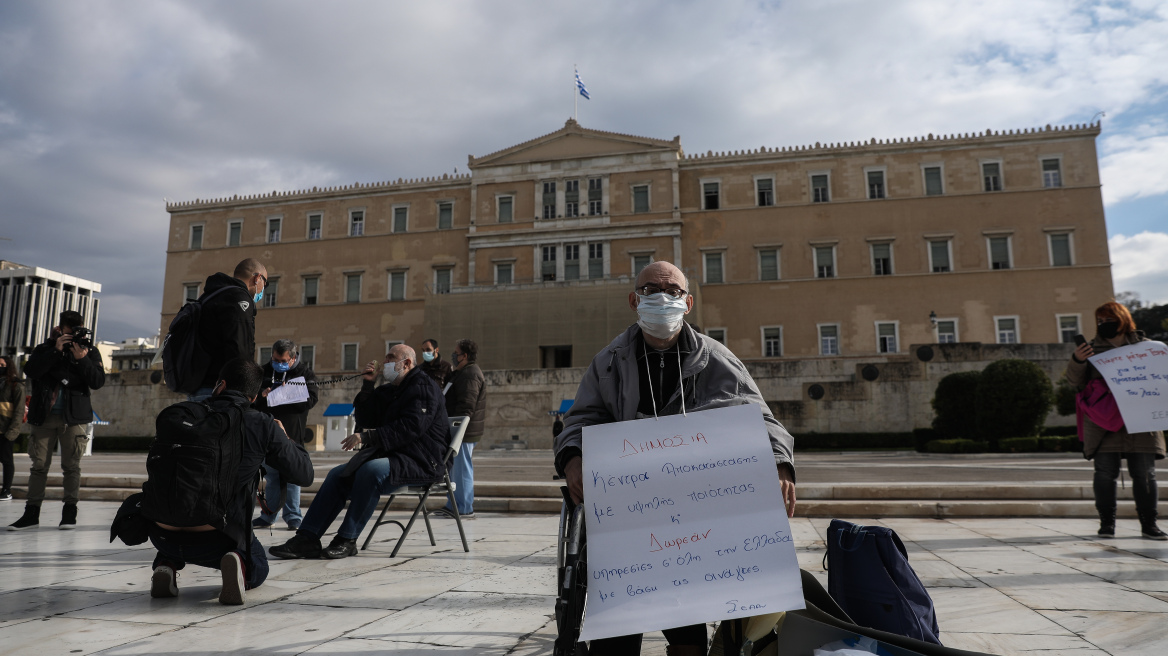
826,250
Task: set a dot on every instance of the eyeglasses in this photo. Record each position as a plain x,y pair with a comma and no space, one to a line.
649,290
264,278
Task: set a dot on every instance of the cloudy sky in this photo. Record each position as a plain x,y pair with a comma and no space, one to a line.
106,108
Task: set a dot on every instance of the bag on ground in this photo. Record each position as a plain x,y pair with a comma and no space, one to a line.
184,357
868,575
193,464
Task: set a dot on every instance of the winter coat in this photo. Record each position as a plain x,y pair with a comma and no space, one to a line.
55,373
1097,439
226,324
467,397
713,378
11,409
406,423
439,370
294,416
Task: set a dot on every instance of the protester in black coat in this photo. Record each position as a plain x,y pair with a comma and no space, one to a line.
294,416
227,321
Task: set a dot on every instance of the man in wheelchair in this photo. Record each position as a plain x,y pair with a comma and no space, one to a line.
660,366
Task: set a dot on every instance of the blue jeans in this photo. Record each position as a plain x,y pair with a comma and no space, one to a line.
177,548
272,498
362,490
462,475
201,394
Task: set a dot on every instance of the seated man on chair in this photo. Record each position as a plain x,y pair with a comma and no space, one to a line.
403,437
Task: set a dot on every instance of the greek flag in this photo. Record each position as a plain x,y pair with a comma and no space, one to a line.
580,85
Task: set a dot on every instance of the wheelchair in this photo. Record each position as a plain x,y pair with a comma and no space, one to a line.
571,578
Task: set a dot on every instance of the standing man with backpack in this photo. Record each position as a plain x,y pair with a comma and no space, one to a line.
285,365
214,329
203,470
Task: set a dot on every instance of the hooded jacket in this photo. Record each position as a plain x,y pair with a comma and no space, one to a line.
226,325
713,378
467,397
294,416
406,423
56,373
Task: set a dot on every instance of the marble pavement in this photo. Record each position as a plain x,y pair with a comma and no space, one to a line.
1002,586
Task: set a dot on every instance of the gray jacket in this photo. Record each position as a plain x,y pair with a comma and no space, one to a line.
713,378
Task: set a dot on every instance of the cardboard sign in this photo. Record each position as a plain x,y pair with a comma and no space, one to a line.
1137,375
686,523
288,393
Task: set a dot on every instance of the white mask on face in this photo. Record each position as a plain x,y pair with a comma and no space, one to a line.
390,372
660,314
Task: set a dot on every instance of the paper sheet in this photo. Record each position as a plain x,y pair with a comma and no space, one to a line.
285,394
1137,375
685,523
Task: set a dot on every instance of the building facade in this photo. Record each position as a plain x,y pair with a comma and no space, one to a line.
32,300
798,252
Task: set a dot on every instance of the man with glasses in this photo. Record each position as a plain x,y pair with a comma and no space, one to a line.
227,320
652,369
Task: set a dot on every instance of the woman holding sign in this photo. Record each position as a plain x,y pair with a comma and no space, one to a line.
1107,444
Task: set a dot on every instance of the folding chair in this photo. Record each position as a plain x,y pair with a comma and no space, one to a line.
445,486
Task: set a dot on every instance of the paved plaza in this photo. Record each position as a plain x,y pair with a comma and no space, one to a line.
1002,586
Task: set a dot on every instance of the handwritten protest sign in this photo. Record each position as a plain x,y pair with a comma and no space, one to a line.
1137,375
686,523
288,393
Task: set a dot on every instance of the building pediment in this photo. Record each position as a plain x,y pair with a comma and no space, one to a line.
575,142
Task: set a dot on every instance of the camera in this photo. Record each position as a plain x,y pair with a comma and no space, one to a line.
83,337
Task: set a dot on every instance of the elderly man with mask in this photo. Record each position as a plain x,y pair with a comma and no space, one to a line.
650,370
403,434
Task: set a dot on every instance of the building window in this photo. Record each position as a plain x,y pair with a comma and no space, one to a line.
190,293
939,260
886,337
1052,175
768,264
713,267
1068,328
595,261
506,209
274,230
875,184
772,341
640,199
442,280
933,183
234,233
503,273
947,331
548,265
640,262
710,193
825,261
1060,249
829,339
272,293
991,175
265,355
882,259
1007,329
595,197
308,355
445,215
401,219
819,188
571,198
571,261
390,343
555,357
549,200
349,357
999,252
196,241
397,285
356,223
352,288
717,334
311,290
764,190
315,224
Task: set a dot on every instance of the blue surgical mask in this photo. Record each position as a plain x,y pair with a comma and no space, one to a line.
259,296
429,356
282,367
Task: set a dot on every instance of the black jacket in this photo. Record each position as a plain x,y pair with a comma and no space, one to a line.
55,372
263,444
468,398
406,423
226,325
294,416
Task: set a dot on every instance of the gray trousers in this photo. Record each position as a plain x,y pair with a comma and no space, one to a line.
41,446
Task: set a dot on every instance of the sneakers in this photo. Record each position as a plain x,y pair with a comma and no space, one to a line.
300,546
340,548
231,567
68,517
1153,532
259,522
5,495
30,519
163,583
449,514
1106,528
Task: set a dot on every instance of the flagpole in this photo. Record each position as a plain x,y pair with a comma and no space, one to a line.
575,96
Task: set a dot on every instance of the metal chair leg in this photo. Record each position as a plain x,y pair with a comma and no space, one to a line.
457,514
429,529
377,523
413,518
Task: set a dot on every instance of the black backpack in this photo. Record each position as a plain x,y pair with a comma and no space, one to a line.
184,357
193,465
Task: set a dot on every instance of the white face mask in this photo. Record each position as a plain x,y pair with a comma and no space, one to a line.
390,372
660,314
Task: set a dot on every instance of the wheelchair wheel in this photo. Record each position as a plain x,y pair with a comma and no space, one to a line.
572,594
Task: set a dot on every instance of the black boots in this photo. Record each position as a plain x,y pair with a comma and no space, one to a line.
302,545
340,548
30,519
1150,531
1106,527
68,517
